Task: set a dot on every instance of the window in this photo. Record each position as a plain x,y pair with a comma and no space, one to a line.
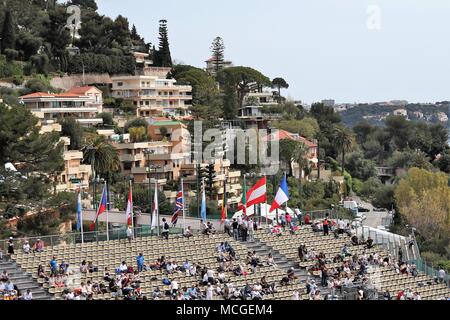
137,164
127,165
119,84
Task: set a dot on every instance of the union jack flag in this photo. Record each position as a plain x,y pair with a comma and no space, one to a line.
178,208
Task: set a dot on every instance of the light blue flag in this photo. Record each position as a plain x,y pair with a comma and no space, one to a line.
203,210
79,212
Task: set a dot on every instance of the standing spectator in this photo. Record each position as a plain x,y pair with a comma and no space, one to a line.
235,229
325,227
10,246
165,232
140,262
400,255
227,227
251,229
442,275
1,254
130,235
244,230
54,266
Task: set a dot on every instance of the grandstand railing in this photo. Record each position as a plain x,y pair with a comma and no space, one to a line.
94,236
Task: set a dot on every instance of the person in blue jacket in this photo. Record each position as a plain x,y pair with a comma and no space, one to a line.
140,262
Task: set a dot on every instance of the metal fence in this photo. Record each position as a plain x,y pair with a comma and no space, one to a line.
94,236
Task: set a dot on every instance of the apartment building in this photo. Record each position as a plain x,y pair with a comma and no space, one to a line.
136,158
75,173
83,103
153,94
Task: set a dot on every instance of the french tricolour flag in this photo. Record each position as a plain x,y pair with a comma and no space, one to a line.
282,196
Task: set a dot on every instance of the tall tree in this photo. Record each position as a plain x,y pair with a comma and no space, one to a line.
218,49
344,141
102,155
240,81
280,83
8,40
164,58
300,156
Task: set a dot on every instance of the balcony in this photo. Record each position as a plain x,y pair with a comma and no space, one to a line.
131,157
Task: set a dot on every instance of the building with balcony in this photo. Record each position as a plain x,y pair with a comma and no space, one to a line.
83,103
75,174
152,94
135,158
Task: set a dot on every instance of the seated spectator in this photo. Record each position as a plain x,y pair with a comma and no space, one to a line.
38,246
188,233
91,267
106,275
4,276
271,261
63,268
41,272
355,240
28,295
26,247
123,268
84,267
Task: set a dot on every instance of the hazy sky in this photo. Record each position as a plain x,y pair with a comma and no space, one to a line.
347,50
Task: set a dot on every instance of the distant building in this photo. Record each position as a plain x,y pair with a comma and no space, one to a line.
83,103
328,103
153,94
401,112
211,65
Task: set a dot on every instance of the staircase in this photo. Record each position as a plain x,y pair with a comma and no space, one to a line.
23,280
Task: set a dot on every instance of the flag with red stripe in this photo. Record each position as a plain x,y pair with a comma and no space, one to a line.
178,208
257,194
129,211
101,208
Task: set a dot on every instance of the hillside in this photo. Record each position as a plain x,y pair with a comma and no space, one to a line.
375,114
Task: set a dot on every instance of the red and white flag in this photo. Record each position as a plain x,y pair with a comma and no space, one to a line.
129,211
258,193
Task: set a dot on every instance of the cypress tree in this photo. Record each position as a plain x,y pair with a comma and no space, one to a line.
217,49
164,58
8,40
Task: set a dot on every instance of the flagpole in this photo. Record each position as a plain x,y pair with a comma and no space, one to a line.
81,216
107,215
131,209
265,209
182,202
157,207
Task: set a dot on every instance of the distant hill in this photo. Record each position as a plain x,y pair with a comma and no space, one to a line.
376,113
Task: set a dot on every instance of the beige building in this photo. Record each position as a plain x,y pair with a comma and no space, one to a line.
83,103
75,173
153,94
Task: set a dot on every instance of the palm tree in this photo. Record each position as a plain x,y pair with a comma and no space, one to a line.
344,140
103,156
300,156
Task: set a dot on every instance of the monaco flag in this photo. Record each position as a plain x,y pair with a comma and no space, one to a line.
257,194
129,211
282,196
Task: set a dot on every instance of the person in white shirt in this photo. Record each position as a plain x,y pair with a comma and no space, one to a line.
174,287
296,295
210,275
442,274
28,295
26,247
129,234
209,292
123,267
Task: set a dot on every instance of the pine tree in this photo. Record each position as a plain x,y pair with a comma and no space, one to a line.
164,58
217,49
8,40
134,35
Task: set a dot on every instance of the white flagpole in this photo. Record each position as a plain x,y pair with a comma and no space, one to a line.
107,213
131,208
157,207
81,215
182,197
265,208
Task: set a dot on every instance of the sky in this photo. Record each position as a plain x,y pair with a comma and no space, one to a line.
346,50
